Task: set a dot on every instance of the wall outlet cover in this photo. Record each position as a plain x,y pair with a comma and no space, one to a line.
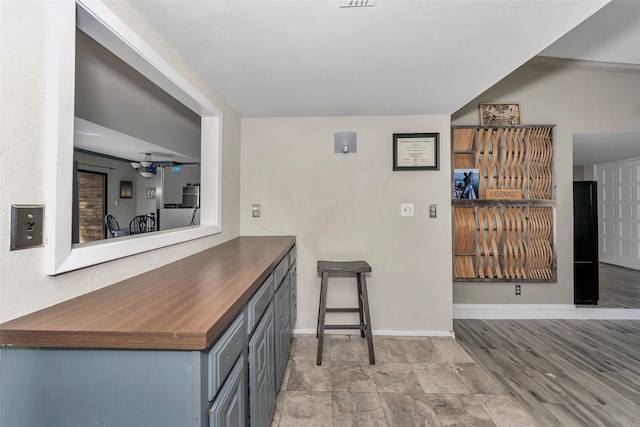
27,223
407,209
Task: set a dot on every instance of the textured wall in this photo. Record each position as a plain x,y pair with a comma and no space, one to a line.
24,287
347,207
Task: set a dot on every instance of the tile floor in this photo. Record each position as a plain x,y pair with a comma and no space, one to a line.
416,381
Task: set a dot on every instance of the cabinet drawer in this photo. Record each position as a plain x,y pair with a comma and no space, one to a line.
281,271
224,354
229,408
258,303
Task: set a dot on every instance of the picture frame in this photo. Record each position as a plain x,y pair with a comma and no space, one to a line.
499,114
416,151
126,189
151,193
466,184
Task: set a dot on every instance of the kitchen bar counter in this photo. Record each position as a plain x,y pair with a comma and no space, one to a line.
184,305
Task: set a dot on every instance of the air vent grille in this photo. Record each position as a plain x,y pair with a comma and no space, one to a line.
357,3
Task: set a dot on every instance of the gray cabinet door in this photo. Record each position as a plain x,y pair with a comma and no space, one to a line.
282,329
293,290
229,408
262,389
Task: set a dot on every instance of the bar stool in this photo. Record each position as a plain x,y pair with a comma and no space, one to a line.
358,268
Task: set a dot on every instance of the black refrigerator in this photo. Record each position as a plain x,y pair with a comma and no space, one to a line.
586,285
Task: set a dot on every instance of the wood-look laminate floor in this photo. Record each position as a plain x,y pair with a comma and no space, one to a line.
563,372
619,287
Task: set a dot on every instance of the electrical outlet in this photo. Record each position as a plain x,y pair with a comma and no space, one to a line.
518,290
433,211
406,209
255,210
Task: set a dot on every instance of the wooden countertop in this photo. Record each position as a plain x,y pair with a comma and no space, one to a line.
184,305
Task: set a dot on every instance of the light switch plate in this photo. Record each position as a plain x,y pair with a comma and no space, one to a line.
27,223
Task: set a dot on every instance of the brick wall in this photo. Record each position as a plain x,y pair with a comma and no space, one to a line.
91,202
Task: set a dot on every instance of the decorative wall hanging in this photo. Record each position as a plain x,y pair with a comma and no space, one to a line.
507,114
126,189
507,232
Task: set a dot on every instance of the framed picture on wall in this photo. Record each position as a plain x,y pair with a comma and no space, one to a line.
506,114
126,189
415,151
466,183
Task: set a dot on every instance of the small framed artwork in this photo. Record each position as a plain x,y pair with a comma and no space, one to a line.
466,183
126,189
415,151
151,193
506,114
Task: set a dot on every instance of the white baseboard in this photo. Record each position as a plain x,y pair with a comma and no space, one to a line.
540,311
390,333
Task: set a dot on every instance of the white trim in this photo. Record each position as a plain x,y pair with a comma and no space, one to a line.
99,21
391,333
540,311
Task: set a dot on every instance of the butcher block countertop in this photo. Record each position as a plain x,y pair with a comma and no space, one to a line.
184,305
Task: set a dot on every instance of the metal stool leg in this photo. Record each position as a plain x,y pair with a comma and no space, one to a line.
365,301
321,313
360,308
323,283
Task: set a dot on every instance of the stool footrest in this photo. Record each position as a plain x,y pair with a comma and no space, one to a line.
343,310
363,327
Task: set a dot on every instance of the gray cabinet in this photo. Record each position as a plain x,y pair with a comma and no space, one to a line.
262,389
293,291
259,302
230,383
224,353
229,408
227,376
282,319
83,387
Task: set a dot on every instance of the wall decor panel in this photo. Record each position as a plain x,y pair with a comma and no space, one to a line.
507,232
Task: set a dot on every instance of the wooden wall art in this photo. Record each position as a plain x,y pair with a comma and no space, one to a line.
507,233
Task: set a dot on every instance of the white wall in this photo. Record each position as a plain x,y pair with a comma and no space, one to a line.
584,173
578,98
24,287
347,207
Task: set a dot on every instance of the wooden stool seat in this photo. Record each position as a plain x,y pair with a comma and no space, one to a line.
344,266
350,267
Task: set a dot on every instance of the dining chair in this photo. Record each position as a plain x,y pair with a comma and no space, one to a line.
142,223
112,226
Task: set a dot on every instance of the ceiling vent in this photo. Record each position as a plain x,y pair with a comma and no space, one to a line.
357,3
